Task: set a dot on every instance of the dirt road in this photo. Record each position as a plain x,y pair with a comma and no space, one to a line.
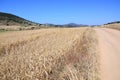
109,46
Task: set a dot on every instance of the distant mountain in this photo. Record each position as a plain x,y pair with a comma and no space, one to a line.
75,25
10,19
66,25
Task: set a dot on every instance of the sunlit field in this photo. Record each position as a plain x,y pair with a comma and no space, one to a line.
113,26
49,54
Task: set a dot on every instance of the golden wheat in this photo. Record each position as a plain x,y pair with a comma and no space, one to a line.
48,54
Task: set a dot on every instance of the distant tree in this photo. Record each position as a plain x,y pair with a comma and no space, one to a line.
20,29
32,28
7,24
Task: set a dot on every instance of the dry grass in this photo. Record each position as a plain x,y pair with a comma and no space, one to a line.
113,26
86,67
9,27
49,54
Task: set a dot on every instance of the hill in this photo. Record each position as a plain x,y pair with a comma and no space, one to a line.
115,22
10,19
113,25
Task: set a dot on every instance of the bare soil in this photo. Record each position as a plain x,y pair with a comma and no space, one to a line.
109,46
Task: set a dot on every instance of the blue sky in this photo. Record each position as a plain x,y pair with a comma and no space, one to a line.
64,11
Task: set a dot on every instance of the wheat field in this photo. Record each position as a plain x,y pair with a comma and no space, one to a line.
49,54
